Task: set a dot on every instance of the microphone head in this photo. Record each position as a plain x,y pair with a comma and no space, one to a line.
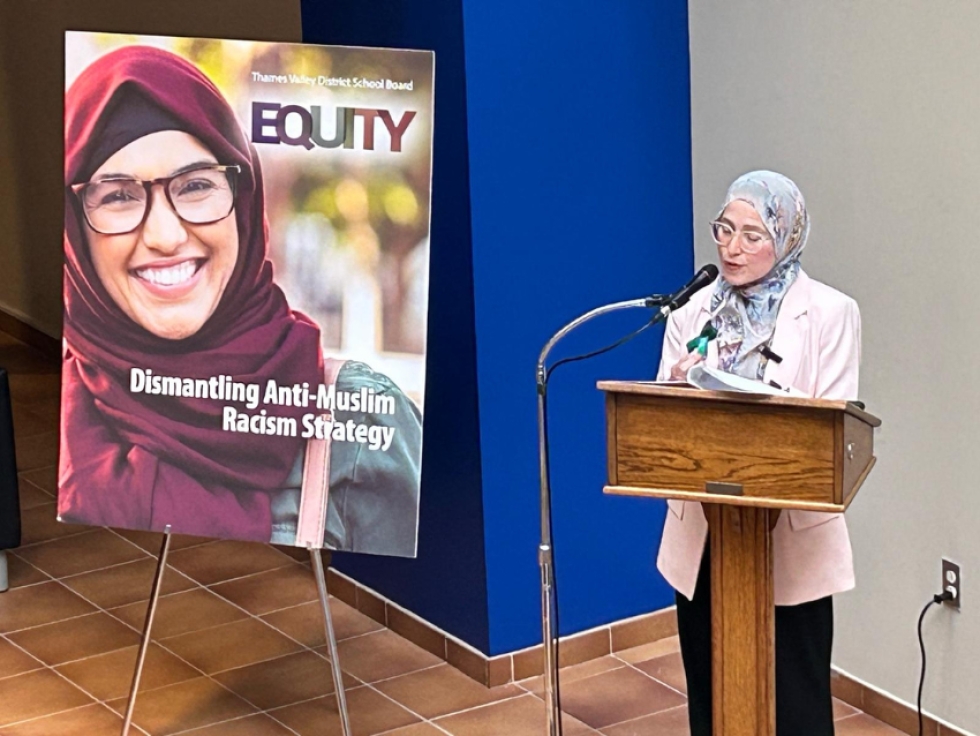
702,278
710,272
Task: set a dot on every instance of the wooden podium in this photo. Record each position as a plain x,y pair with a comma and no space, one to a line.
746,458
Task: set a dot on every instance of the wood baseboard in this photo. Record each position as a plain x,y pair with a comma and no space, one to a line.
886,709
18,328
588,645
512,666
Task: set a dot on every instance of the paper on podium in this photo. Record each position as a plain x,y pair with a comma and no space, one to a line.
713,379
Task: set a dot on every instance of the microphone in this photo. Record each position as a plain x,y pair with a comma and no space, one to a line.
702,278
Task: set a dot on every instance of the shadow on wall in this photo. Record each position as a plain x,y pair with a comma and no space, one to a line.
31,109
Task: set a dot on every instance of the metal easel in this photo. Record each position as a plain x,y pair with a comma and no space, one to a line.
321,584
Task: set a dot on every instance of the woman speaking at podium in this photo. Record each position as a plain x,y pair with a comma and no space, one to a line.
774,324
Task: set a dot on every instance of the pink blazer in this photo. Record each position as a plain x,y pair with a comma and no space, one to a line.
818,336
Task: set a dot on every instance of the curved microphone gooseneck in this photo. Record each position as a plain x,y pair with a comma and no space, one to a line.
549,603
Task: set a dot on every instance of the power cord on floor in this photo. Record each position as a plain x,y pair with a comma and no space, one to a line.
936,599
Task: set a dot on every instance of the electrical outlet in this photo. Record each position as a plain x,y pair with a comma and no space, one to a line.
952,583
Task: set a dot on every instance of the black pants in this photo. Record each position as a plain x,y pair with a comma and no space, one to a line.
804,636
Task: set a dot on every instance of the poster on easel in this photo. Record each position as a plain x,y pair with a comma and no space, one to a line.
246,287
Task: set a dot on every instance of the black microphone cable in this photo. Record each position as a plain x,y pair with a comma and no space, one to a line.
551,517
936,599
547,557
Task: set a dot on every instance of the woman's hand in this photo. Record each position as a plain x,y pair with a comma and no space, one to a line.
680,369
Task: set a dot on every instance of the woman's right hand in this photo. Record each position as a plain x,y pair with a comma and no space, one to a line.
680,369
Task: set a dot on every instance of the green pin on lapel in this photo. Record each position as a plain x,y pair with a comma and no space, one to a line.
700,343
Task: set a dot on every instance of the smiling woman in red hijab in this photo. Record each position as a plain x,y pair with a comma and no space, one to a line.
167,270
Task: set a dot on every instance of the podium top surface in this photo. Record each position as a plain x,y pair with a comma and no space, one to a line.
686,391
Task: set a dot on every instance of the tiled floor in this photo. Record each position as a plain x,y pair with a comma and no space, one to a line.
238,641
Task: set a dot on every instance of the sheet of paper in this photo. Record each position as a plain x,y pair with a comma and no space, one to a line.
714,379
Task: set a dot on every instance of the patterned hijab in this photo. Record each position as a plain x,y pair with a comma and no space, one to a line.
745,316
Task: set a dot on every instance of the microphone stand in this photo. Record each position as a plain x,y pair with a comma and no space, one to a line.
545,551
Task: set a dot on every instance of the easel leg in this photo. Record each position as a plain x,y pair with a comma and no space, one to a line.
338,676
147,627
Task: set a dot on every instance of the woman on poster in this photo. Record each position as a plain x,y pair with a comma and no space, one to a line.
167,274
774,324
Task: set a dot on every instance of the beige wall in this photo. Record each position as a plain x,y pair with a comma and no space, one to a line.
31,101
873,107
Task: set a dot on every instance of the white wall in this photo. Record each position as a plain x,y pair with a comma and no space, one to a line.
873,108
31,109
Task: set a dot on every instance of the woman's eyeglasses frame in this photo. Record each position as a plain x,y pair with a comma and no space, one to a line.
747,246
231,172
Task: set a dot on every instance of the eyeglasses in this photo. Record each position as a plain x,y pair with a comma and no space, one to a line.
117,206
752,241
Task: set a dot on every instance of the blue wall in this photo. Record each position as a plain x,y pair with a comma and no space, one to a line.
446,584
580,161
567,141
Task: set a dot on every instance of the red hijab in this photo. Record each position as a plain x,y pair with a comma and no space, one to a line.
141,461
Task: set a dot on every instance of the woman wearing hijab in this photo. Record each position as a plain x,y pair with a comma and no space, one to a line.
167,270
775,324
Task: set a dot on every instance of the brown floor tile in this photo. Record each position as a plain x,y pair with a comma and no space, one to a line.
81,553
575,672
864,725
671,722
442,690
130,582
843,710
300,554
44,478
28,423
257,725
13,661
37,694
30,495
39,604
153,541
283,681
226,560
181,613
382,655
110,676
370,713
31,387
66,641
523,716
186,705
41,524
270,591
38,451
89,720
305,622
655,649
418,729
20,573
616,696
668,669
231,645
18,357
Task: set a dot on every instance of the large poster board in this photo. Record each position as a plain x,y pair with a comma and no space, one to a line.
246,282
